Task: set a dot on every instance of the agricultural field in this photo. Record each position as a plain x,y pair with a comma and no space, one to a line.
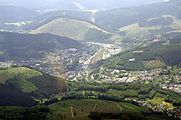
80,109
72,108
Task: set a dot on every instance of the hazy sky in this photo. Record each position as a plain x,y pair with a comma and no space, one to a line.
73,4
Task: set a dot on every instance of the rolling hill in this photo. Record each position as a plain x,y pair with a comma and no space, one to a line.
76,29
50,16
81,110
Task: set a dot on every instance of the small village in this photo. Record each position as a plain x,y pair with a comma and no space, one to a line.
164,77
58,62
160,108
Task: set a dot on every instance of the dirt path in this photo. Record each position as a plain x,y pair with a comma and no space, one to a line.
72,112
119,106
94,108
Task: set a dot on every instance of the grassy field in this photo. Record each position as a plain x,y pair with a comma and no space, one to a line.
159,100
82,108
156,100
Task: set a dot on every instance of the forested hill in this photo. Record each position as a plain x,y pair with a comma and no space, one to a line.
158,54
20,86
15,45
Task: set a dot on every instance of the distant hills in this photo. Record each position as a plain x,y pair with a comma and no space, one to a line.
127,25
13,17
141,22
121,24
117,18
12,14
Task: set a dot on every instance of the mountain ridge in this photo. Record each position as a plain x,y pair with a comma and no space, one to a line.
81,30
